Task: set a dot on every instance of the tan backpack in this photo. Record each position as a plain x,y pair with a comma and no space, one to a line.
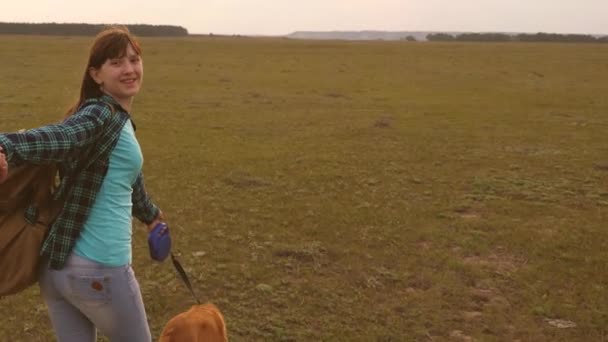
26,214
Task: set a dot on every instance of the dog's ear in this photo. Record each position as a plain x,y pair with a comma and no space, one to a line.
221,325
219,322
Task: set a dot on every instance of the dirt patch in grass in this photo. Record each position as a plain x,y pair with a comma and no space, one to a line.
602,166
384,122
466,212
499,263
245,181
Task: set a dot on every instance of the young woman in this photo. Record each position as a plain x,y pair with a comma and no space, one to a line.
87,281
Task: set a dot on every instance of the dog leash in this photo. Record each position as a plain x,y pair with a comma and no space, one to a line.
184,277
159,243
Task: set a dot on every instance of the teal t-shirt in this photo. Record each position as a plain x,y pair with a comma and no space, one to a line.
106,235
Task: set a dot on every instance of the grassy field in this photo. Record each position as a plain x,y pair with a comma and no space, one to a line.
351,191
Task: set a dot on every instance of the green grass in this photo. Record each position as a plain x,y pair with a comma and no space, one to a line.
350,191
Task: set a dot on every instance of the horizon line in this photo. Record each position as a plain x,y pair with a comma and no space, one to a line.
315,31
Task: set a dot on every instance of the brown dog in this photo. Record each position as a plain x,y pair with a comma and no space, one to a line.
202,323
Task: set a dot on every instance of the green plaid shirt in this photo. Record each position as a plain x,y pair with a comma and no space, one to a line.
81,145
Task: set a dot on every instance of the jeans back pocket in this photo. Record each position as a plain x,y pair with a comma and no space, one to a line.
90,289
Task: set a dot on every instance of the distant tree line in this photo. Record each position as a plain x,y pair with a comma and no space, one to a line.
523,37
58,29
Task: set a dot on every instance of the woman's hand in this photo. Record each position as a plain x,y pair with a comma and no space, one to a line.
3,166
157,220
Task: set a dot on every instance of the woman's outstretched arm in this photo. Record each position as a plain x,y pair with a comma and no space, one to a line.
55,143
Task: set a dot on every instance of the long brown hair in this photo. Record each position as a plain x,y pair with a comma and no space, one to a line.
112,42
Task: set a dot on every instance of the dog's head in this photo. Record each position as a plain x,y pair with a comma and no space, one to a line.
202,323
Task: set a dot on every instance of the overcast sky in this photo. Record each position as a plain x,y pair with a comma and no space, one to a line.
279,17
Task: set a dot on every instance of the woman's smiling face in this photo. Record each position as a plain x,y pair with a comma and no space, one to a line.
120,77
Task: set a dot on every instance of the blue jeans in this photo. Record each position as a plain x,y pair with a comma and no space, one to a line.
85,295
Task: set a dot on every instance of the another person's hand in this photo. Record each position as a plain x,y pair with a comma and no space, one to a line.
3,166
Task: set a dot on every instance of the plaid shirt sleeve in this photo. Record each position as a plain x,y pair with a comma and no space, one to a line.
55,143
143,208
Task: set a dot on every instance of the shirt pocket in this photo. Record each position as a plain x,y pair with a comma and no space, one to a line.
90,289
